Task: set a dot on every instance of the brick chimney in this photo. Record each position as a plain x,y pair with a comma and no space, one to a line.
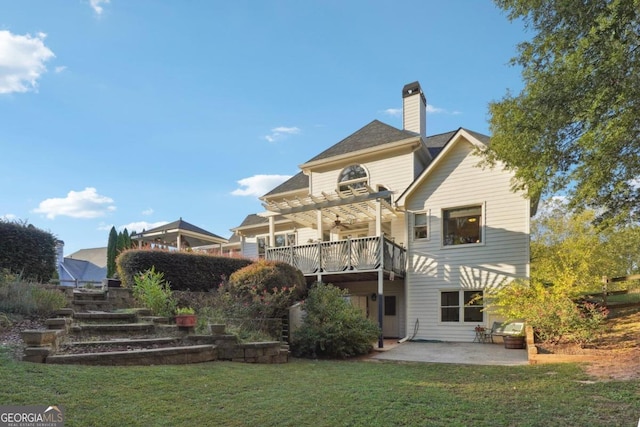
414,109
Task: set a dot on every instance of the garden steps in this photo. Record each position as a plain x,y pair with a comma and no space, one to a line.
158,356
121,342
110,329
100,316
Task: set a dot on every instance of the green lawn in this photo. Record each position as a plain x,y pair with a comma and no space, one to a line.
321,393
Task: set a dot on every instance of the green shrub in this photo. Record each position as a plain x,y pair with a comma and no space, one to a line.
267,288
554,316
18,296
151,290
27,250
332,326
186,271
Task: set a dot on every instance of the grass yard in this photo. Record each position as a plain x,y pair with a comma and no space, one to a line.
322,393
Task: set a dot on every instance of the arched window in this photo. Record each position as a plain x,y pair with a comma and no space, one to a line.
354,176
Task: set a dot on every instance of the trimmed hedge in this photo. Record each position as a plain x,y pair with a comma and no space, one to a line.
27,251
185,271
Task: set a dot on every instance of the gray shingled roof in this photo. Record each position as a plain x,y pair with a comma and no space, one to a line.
181,225
296,182
435,143
481,137
97,256
85,271
253,219
374,134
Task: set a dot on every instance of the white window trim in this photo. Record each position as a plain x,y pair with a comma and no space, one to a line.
461,307
365,179
427,213
483,226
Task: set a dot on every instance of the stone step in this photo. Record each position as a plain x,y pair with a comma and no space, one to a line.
113,328
157,356
84,295
96,302
96,316
120,342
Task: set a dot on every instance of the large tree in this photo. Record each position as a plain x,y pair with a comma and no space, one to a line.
573,255
575,126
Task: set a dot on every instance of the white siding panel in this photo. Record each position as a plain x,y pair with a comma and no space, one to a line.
502,256
395,173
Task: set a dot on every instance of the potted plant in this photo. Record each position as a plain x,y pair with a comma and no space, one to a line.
186,317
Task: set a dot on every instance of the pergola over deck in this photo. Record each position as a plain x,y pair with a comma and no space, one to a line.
178,234
369,257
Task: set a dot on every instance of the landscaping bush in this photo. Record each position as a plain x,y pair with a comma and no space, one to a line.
151,290
186,271
27,251
332,326
554,316
26,298
268,288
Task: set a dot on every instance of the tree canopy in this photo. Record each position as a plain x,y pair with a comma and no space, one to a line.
575,126
568,252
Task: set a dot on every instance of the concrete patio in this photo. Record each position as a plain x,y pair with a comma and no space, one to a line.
451,352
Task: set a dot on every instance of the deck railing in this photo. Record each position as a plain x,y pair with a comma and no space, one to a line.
350,255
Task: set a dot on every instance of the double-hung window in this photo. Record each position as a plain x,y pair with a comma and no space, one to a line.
461,306
420,225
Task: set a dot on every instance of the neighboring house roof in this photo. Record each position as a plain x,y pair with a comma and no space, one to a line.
189,233
84,271
97,256
299,181
182,225
372,135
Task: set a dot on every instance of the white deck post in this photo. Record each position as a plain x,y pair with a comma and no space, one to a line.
272,231
380,271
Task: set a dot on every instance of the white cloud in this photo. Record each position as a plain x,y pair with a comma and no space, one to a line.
397,112
147,212
96,5
78,204
22,60
60,68
280,132
138,226
259,185
434,110
8,217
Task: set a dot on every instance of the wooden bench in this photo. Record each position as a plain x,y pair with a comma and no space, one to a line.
507,328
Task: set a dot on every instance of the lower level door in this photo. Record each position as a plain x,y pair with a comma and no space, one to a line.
390,326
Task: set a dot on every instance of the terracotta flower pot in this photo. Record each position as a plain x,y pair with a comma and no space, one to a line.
186,320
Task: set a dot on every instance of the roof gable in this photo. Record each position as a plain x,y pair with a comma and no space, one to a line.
299,181
461,134
374,134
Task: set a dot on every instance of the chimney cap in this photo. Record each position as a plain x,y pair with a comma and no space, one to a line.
411,89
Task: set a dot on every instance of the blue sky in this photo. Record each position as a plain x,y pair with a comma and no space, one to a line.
136,113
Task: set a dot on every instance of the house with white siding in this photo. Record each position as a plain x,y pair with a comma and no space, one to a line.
408,223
